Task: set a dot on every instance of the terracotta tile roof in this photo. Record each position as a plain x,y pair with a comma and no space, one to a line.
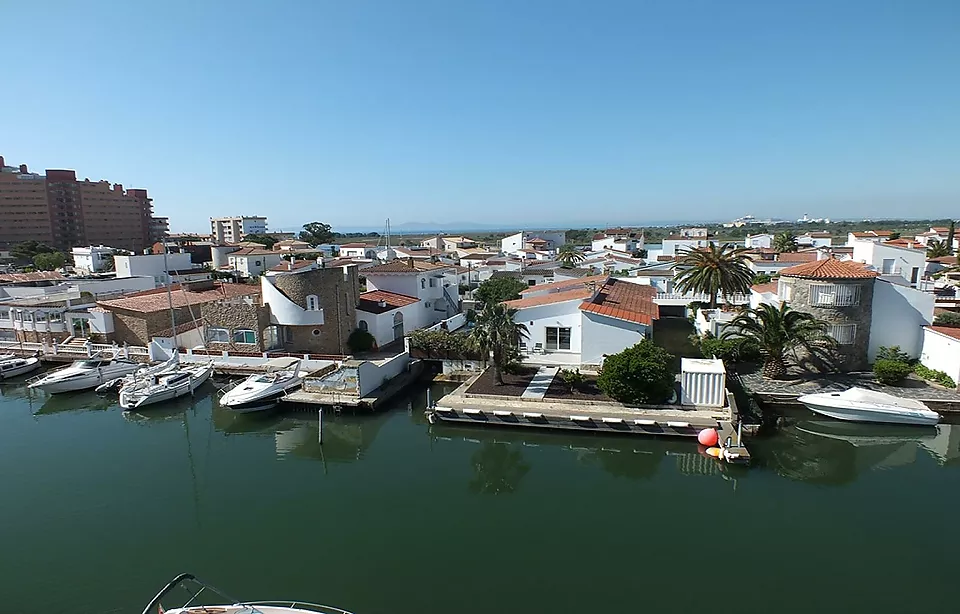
872,233
770,287
402,266
370,302
942,230
29,277
537,240
623,300
355,245
905,243
817,235
829,268
948,260
253,251
567,284
599,236
339,262
949,331
577,294
297,265
156,300
797,257
573,272
666,258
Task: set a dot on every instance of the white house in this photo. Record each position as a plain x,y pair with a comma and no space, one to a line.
358,250
876,236
92,259
291,245
941,350
449,244
156,266
534,254
288,265
759,241
435,285
815,239
622,240
253,261
939,233
543,240
581,321
891,261
900,314
388,316
676,245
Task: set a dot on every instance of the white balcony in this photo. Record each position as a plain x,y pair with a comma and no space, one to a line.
676,298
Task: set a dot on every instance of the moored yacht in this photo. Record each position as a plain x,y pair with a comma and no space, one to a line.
262,391
13,366
198,603
165,386
84,375
143,373
863,405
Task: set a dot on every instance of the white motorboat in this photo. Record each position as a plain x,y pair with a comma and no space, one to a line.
143,373
262,391
165,386
862,405
12,367
84,375
197,603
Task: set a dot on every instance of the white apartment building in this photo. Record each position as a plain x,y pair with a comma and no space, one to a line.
92,259
234,229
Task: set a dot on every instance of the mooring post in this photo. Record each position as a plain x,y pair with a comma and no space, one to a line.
320,425
428,398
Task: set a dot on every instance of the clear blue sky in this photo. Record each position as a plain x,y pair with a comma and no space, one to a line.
526,112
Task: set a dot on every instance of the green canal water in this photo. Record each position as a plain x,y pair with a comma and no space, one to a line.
391,515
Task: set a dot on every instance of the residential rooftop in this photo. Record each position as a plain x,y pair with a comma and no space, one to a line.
381,301
575,294
623,300
829,268
150,301
566,284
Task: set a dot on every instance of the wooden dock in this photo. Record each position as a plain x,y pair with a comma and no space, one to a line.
373,400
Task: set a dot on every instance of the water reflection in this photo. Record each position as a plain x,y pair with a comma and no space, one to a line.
836,453
498,468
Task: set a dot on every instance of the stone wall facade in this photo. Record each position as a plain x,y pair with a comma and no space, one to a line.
137,327
337,291
852,357
236,315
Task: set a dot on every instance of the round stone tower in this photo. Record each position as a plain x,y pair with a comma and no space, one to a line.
839,292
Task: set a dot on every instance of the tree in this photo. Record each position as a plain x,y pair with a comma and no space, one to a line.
49,261
261,239
950,235
25,251
642,374
569,256
496,333
781,333
499,289
316,233
937,249
714,270
785,242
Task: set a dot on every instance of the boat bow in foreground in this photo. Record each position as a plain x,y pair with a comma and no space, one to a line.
862,405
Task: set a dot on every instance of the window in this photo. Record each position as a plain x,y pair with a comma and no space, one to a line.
887,267
558,338
288,333
56,317
312,302
218,335
423,283
531,282
785,290
843,333
914,274
362,325
433,282
834,295
244,335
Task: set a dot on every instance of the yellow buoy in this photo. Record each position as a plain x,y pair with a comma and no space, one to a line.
715,452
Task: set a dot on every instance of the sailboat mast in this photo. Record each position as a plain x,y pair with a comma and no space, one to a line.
166,270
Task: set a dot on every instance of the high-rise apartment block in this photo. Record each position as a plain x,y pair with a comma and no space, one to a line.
63,212
234,229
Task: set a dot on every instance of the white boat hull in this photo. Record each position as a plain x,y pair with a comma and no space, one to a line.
30,365
133,398
261,392
84,382
858,405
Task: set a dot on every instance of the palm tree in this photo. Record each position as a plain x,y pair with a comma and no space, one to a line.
569,256
785,242
780,332
936,249
495,332
714,270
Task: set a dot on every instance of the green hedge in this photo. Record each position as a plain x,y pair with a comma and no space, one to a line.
935,376
890,372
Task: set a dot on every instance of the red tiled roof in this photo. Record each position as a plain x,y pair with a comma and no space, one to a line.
797,257
829,268
297,265
770,287
942,230
402,266
949,331
567,284
253,251
156,300
28,277
666,258
537,240
371,301
599,236
623,300
873,233
817,235
355,245
948,260
906,243
548,299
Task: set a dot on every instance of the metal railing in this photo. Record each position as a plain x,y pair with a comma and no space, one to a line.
734,299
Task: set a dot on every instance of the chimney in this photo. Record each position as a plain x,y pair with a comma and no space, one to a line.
1,162
290,264
23,169
382,303
118,187
410,261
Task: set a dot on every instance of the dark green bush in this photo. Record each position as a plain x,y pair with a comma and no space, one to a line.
890,372
947,318
360,341
935,376
729,350
642,374
572,378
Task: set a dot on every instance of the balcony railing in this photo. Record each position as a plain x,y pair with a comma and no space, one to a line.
734,299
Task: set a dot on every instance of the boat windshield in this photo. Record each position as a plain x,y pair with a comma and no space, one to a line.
269,378
88,364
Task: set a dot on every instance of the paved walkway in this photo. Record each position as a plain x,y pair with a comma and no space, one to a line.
538,386
911,388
